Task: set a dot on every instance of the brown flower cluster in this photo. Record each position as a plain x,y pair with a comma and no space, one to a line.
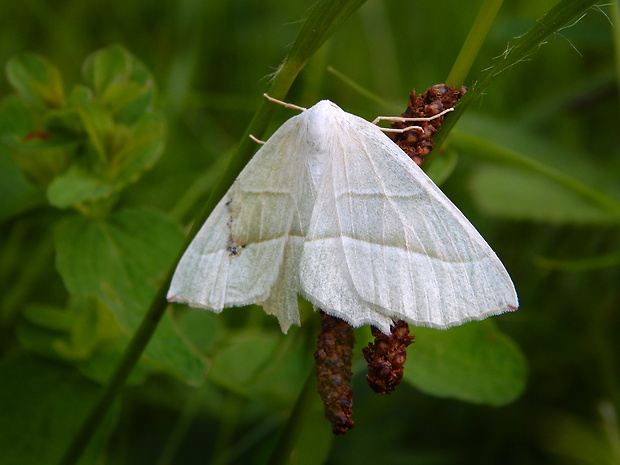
333,371
417,143
386,357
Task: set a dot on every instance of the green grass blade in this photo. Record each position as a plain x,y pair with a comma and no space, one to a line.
479,30
522,47
615,16
486,150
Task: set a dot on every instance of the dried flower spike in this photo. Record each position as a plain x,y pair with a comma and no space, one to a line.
333,371
386,357
438,98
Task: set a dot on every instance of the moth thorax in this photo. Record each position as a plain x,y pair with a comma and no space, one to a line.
323,137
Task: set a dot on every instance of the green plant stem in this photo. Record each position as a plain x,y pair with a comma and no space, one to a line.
521,48
117,380
485,149
362,90
615,18
477,34
292,428
323,20
176,436
582,264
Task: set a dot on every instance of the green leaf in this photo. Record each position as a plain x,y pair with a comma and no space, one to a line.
99,124
203,329
79,94
36,80
139,149
121,260
265,366
571,179
522,195
475,362
575,440
69,334
102,363
16,194
15,118
41,157
75,186
85,335
70,118
58,333
121,82
45,330
39,154
127,152
48,317
43,404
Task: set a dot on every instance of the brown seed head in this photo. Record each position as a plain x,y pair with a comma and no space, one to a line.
386,357
432,102
333,357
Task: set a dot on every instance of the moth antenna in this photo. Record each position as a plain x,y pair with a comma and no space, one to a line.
284,104
400,119
258,141
401,130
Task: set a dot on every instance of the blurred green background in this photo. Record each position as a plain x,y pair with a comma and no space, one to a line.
212,61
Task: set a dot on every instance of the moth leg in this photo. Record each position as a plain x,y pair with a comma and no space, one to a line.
400,119
409,128
258,141
284,104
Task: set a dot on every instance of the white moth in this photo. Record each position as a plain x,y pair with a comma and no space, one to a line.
332,209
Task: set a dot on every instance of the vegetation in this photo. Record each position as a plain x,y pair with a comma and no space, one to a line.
122,123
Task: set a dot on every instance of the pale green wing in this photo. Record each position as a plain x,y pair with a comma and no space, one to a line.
248,250
385,243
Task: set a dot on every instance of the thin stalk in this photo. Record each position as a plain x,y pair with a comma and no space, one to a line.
615,17
485,149
521,48
117,380
290,433
362,90
471,47
465,60
182,426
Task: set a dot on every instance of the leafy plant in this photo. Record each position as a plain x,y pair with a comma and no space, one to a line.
91,215
80,152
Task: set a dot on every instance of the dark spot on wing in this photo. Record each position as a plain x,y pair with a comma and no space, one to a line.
234,247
